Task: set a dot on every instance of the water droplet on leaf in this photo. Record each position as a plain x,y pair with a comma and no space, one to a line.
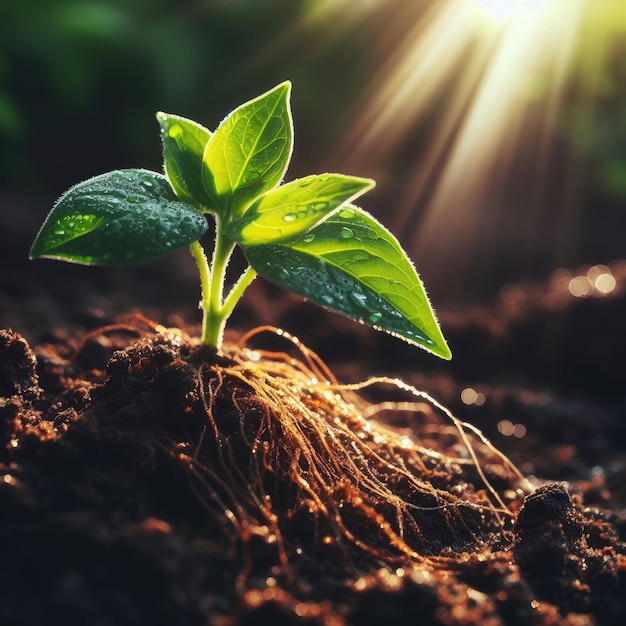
175,130
360,299
289,217
318,206
347,233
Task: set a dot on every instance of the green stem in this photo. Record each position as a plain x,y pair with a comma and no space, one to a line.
215,316
237,291
197,251
216,311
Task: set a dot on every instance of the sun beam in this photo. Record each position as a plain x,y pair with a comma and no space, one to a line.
502,10
468,98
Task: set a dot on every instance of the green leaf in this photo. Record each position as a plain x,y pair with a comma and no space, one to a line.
294,208
184,142
123,217
249,152
353,265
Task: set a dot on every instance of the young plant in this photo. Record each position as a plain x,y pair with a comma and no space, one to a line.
304,235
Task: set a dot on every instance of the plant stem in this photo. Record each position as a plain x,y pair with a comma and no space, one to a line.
216,311
214,331
202,263
237,291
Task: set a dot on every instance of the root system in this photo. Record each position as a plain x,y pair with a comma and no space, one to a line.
284,453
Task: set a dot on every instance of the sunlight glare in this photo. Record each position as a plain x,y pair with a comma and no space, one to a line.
474,107
502,10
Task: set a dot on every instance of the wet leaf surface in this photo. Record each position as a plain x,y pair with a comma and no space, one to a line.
124,217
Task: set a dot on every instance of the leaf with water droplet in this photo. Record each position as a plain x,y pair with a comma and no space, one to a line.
249,152
184,142
295,208
382,290
84,226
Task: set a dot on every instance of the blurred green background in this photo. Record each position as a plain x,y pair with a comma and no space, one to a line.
81,80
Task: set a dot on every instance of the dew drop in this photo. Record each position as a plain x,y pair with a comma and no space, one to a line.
327,299
346,213
283,274
347,233
175,130
374,318
360,299
289,217
318,206
308,237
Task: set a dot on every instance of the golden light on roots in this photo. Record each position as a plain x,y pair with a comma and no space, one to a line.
293,443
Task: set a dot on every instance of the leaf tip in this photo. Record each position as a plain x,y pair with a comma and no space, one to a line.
286,84
284,89
161,118
445,353
370,183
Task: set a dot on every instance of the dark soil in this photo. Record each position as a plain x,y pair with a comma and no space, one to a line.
132,491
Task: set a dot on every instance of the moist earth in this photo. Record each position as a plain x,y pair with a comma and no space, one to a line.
112,511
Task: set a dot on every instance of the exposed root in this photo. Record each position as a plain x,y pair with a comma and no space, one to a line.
287,447
290,459
133,323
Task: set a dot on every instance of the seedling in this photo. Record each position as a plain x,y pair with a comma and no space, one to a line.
304,235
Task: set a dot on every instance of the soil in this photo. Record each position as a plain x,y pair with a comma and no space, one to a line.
147,480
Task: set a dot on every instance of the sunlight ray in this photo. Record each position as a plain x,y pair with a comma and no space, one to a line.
465,110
